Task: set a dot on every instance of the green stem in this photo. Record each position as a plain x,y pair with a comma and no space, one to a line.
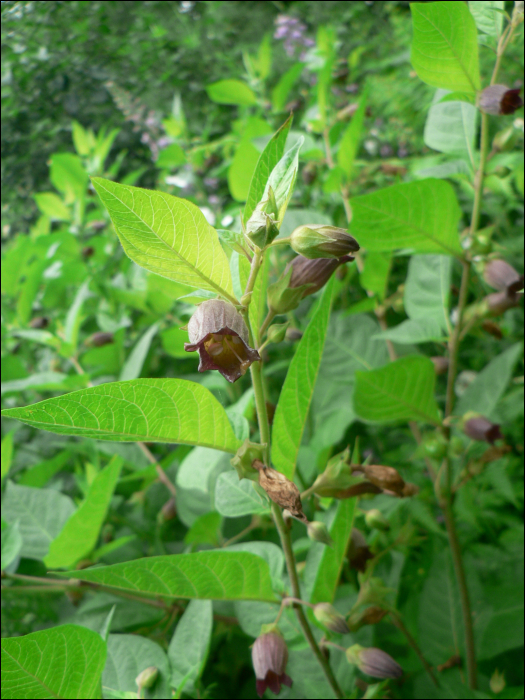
269,318
260,407
410,639
280,241
254,271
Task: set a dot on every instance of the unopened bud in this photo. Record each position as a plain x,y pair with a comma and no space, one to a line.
269,658
497,682
168,511
88,252
277,332
40,322
280,489
499,302
147,677
368,616
318,532
499,99
358,551
374,662
440,364
293,334
502,276
321,241
328,616
244,458
376,520
480,428
98,340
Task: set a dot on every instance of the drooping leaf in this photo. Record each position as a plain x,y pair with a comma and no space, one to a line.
421,215
148,410
190,644
400,391
231,92
489,386
42,513
445,45
81,531
61,662
268,159
129,655
215,575
296,394
166,235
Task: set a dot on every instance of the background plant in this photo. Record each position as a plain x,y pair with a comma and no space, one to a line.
78,312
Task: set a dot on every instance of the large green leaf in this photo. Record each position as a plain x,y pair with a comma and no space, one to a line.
216,575
400,391
80,533
489,386
422,216
166,235
61,662
189,646
324,564
445,45
148,410
41,513
296,394
269,158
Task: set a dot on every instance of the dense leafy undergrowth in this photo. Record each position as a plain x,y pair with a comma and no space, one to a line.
326,488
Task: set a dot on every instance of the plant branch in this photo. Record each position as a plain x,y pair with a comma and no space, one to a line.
410,639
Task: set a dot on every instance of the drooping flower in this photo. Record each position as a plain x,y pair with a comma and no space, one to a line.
502,276
499,99
269,658
218,331
481,428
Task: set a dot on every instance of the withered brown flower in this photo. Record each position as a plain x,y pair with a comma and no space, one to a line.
218,331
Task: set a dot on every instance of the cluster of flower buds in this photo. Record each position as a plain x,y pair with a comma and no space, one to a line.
220,335
503,277
480,428
499,99
269,658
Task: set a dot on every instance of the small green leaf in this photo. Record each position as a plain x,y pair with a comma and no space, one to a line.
231,92
374,277
445,45
80,533
217,575
488,15
147,410
296,394
324,564
422,216
401,391
73,317
234,498
51,205
427,288
286,82
190,644
268,159
133,365
167,235
451,126
61,662
489,386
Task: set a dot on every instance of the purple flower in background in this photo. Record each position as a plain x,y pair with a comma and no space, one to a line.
292,30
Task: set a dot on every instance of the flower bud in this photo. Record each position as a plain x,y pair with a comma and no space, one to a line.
383,477
499,99
492,328
374,662
220,335
168,511
506,139
147,677
40,322
499,302
376,520
98,340
277,332
315,273
244,458
269,658
88,252
262,226
440,364
280,489
368,616
293,334
328,616
358,551
318,532
321,241
480,428
502,276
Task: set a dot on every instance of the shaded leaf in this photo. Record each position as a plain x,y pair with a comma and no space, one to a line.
129,655
189,646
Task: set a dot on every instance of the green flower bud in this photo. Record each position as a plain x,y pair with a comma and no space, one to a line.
376,520
244,458
147,677
328,616
263,226
374,662
318,532
321,241
277,332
